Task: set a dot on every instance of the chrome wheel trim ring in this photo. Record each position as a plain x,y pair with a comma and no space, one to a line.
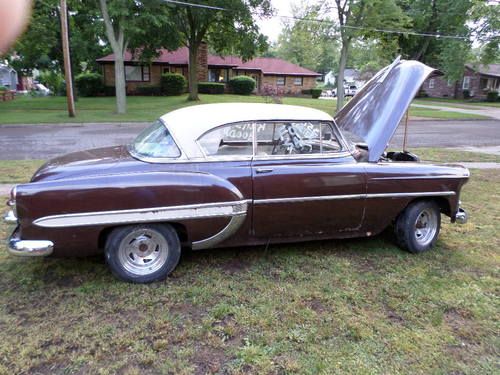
143,251
425,227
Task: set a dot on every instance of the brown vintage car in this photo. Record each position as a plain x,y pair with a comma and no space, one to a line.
240,174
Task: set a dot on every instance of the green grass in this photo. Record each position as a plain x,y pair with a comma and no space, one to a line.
346,307
459,103
17,171
446,155
29,110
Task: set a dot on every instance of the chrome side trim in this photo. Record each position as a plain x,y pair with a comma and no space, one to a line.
417,177
154,214
225,233
309,199
417,194
354,196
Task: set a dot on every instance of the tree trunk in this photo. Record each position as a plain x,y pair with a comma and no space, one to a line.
120,88
119,46
340,76
193,72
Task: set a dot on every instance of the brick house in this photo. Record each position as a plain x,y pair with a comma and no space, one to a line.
268,72
478,80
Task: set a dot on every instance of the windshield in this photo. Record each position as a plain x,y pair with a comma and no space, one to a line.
155,142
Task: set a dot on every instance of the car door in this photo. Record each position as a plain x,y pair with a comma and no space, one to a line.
305,183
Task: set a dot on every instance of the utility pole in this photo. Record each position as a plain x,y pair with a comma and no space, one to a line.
67,59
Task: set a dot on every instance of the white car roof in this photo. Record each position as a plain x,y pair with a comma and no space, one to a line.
190,123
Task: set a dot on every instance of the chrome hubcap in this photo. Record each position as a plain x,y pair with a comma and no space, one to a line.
143,251
426,227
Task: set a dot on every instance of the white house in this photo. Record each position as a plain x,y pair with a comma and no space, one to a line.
8,77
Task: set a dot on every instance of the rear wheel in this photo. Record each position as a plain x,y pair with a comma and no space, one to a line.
417,227
143,253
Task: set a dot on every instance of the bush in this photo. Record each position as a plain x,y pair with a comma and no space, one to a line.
211,88
422,93
148,90
54,81
3,88
172,84
242,85
492,96
466,94
89,84
316,93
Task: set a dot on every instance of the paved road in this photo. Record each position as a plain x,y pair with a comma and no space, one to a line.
47,141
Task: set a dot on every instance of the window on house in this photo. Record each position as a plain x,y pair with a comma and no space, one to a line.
137,73
229,140
298,81
218,75
166,70
466,83
431,83
450,83
280,81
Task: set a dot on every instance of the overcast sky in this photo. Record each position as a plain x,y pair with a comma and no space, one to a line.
272,27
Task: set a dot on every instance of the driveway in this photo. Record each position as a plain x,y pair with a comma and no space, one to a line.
48,141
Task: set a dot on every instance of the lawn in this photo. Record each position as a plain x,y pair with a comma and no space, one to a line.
460,103
347,307
29,110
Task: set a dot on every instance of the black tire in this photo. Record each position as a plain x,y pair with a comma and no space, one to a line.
417,227
142,253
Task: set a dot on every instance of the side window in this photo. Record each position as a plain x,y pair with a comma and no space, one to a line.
290,138
329,141
228,140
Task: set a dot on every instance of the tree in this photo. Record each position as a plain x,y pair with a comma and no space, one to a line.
306,42
40,46
358,19
230,28
485,27
447,17
138,26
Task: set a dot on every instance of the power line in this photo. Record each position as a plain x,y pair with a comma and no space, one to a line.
387,31
183,3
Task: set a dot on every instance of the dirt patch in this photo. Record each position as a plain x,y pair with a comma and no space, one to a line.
209,360
235,265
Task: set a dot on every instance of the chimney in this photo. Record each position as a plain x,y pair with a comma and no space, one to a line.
203,62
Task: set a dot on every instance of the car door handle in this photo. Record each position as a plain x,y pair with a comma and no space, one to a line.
263,170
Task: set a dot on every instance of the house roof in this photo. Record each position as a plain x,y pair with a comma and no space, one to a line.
268,65
489,70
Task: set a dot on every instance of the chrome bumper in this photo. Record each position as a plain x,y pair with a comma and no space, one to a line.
461,217
26,248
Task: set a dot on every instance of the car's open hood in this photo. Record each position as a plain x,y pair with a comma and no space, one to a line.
375,112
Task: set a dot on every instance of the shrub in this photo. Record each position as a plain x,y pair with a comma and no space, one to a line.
316,93
89,84
242,85
211,88
54,81
148,90
466,94
422,93
172,84
3,88
492,96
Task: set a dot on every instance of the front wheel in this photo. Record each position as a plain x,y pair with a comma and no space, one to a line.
143,253
417,227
